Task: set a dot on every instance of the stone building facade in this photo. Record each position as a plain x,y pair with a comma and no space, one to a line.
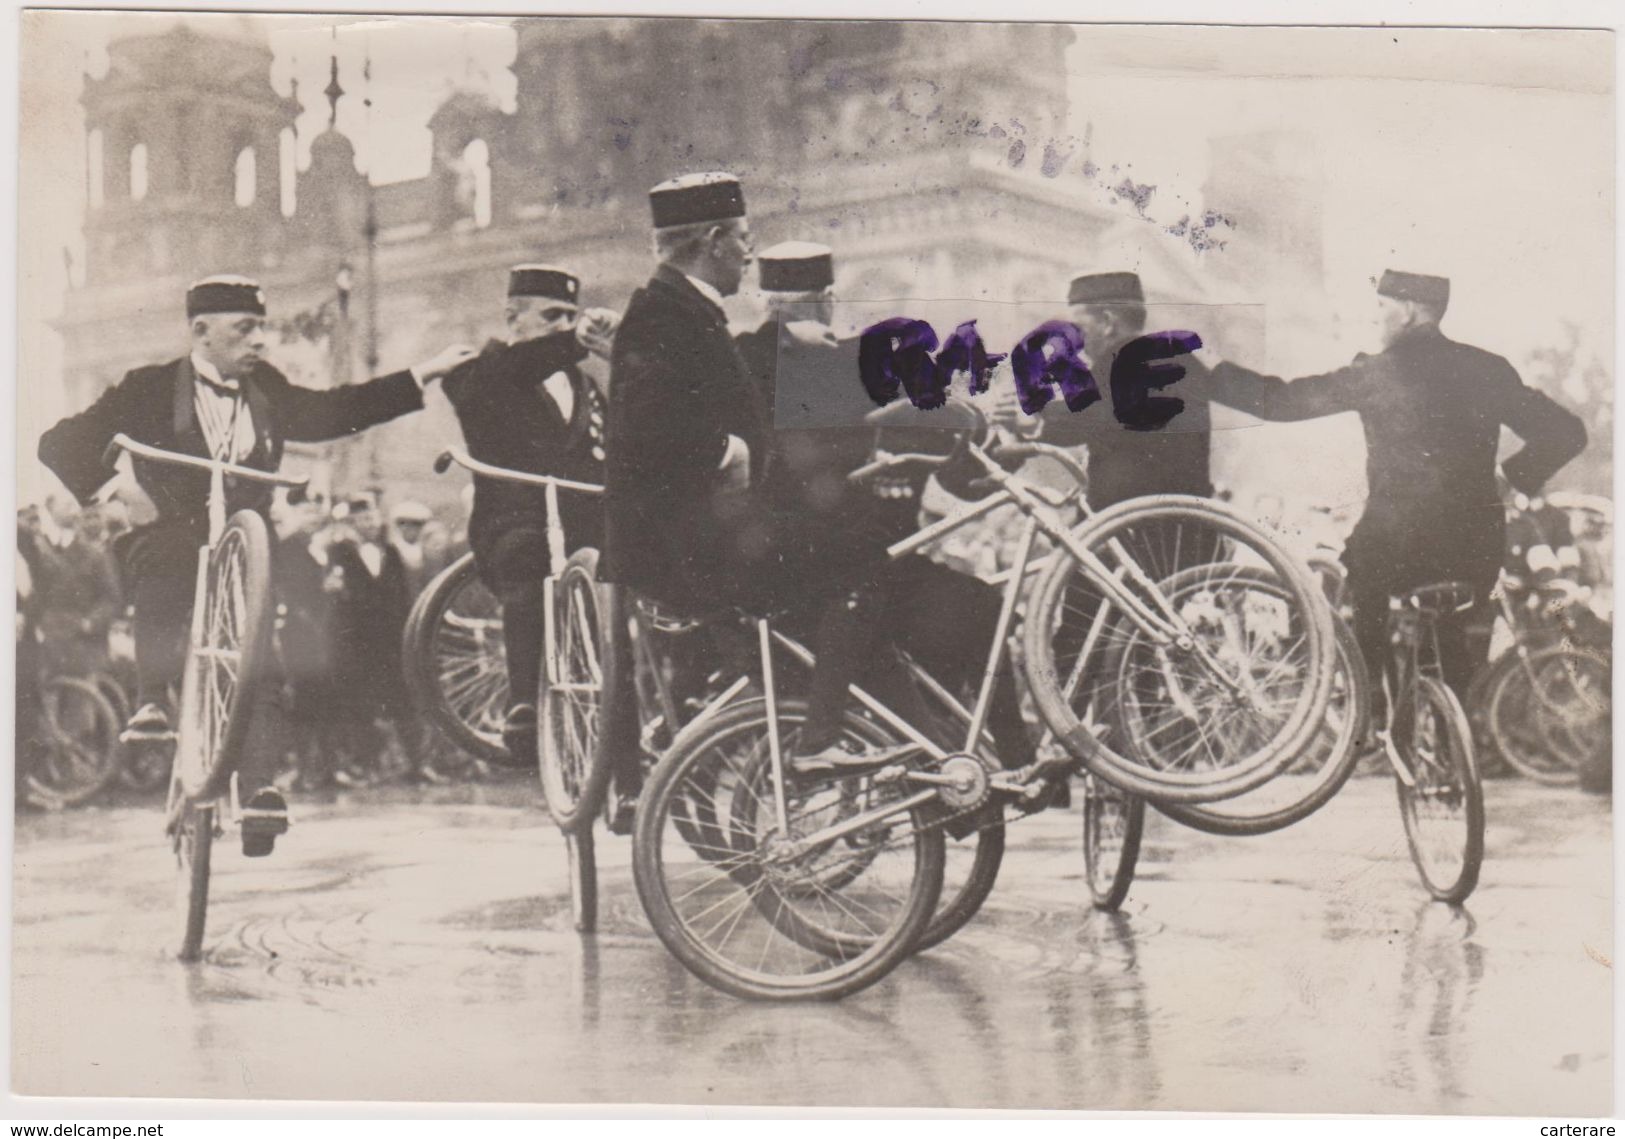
940,161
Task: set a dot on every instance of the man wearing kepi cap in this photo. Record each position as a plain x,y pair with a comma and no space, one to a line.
1109,308
524,404
687,429
833,533
221,400
1432,411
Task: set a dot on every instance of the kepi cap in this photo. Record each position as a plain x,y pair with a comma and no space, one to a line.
796,267
224,293
1105,288
692,198
1414,287
544,281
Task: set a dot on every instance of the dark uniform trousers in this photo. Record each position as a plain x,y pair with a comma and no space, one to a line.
1432,411
155,405
862,604
509,420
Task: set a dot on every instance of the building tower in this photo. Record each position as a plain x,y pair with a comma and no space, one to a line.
184,153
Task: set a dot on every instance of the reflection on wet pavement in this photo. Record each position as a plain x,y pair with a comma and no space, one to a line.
418,945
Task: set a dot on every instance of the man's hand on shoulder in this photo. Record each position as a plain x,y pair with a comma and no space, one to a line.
596,330
442,362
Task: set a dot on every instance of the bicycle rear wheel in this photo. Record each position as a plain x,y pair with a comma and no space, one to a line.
1113,824
79,731
1327,760
768,916
456,661
225,664
574,774
1240,687
1443,810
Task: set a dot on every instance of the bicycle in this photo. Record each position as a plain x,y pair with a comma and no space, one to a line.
1545,705
1429,745
840,874
73,753
571,688
456,660
228,644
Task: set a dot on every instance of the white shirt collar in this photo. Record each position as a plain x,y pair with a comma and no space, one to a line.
209,372
707,290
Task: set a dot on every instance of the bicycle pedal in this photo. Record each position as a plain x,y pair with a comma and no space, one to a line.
134,736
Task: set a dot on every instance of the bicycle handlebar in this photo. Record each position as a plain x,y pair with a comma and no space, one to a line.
462,458
122,442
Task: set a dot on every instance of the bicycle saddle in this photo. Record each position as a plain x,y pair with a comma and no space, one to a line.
1439,598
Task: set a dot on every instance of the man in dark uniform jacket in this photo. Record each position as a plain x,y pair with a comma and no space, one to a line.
835,532
1109,308
526,405
687,430
225,400
1432,411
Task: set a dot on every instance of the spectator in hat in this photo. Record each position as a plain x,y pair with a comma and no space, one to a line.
1432,410
524,404
221,400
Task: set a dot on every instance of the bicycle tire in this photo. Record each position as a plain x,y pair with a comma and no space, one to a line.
1235,818
1459,765
194,846
1510,713
575,772
428,638
81,755
844,974
239,566
1100,756
955,909
1109,878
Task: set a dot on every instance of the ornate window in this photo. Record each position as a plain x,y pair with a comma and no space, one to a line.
476,174
246,175
94,184
138,171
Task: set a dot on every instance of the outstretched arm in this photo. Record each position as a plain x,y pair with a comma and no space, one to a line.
312,416
1279,401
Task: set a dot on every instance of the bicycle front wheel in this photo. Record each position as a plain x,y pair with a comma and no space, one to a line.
1443,804
574,774
1549,709
227,658
194,846
769,914
1210,692
456,660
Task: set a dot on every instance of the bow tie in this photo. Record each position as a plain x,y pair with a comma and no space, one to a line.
221,386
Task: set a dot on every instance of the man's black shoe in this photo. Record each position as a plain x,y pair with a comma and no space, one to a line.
150,722
265,816
519,737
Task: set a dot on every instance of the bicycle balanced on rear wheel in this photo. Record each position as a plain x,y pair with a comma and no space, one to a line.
770,883
227,649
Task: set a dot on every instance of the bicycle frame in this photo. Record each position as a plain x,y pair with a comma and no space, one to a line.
1161,624
1413,628
187,746
556,557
